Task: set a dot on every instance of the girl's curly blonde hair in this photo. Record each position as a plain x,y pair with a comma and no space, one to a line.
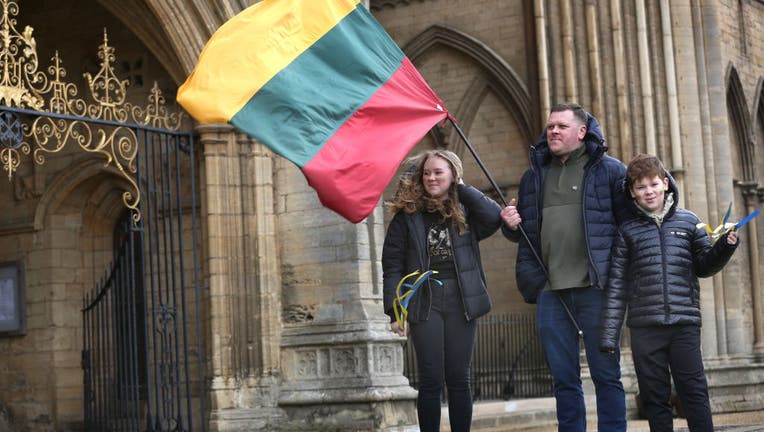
411,196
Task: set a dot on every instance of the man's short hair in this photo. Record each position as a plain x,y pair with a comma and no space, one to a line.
578,111
644,166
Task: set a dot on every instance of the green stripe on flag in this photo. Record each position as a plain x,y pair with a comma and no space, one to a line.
298,110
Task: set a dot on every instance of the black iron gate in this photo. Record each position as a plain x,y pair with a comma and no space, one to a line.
142,343
142,335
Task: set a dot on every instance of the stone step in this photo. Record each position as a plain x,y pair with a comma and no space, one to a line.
509,415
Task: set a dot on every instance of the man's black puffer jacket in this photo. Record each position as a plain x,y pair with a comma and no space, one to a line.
405,251
603,207
654,271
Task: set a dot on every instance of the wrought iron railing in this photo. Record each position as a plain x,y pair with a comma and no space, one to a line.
508,362
57,119
142,343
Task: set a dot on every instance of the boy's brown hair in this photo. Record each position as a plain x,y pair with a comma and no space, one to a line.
644,166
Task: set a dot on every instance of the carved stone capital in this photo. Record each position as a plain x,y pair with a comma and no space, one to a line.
751,192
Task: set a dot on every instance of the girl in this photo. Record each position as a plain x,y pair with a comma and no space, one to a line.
437,224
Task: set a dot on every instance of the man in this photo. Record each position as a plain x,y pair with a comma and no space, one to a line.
570,202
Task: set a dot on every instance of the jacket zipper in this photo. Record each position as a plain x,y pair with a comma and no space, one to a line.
424,313
592,265
429,287
539,172
666,308
456,269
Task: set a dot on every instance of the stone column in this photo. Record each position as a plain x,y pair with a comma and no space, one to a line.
728,285
343,368
539,16
694,112
645,79
243,275
595,65
751,195
621,81
568,51
677,164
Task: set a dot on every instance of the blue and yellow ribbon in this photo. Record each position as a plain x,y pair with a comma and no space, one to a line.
726,226
402,299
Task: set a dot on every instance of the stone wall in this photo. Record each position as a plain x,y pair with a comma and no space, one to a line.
295,337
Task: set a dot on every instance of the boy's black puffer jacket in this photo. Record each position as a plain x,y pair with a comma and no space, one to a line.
654,271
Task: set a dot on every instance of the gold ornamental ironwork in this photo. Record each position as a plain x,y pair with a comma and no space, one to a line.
97,127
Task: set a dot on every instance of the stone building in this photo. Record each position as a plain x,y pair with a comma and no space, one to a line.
250,306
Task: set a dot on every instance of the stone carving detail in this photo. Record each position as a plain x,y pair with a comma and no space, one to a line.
362,361
386,359
339,362
324,361
343,363
307,364
294,314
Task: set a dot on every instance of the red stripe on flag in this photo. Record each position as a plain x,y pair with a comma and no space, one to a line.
352,169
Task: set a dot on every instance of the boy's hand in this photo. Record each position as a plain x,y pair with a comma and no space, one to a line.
732,238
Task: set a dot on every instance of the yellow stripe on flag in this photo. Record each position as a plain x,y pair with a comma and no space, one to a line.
250,49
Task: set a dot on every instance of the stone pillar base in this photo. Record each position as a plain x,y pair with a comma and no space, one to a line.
345,377
246,419
388,416
758,352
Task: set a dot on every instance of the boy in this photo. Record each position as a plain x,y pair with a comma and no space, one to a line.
657,258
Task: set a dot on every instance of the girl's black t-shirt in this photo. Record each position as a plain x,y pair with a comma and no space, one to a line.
439,246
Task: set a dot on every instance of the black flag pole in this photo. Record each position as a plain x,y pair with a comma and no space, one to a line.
520,227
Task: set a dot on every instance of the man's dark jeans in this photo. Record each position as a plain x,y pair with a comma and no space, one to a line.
560,341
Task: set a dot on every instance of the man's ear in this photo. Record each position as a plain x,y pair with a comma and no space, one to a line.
582,132
665,184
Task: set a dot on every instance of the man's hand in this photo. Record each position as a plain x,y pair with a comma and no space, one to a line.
510,215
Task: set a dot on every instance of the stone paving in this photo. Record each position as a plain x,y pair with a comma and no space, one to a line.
731,422
537,415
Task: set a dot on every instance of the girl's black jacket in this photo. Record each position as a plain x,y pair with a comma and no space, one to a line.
405,251
654,271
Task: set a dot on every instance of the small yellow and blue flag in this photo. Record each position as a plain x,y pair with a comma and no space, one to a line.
726,226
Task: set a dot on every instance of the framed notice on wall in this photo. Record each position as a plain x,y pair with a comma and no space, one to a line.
12,299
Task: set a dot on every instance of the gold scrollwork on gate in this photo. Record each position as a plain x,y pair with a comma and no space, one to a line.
63,98
108,91
69,119
20,81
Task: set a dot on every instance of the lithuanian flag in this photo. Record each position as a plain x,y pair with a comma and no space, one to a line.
321,84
